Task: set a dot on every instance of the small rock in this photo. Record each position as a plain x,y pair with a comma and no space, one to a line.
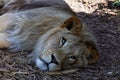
109,72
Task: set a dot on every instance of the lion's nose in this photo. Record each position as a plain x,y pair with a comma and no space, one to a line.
53,59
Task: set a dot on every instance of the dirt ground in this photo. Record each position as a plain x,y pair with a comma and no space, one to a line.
103,21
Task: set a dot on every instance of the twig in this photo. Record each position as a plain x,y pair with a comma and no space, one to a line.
20,72
4,70
62,72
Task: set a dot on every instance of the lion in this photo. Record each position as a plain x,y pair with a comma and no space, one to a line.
51,30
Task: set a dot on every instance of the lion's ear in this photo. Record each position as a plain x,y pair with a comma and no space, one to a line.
73,24
92,52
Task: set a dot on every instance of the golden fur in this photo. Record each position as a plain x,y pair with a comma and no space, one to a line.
53,32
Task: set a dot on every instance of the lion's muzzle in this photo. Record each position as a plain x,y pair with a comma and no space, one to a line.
48,66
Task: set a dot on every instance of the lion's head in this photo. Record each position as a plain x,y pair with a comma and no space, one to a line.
65,46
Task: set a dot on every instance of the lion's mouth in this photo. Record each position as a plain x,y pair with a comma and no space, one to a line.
47,66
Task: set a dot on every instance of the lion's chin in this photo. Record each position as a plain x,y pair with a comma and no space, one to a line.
47,67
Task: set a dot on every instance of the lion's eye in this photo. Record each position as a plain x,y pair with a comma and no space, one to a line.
72,59
62,41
